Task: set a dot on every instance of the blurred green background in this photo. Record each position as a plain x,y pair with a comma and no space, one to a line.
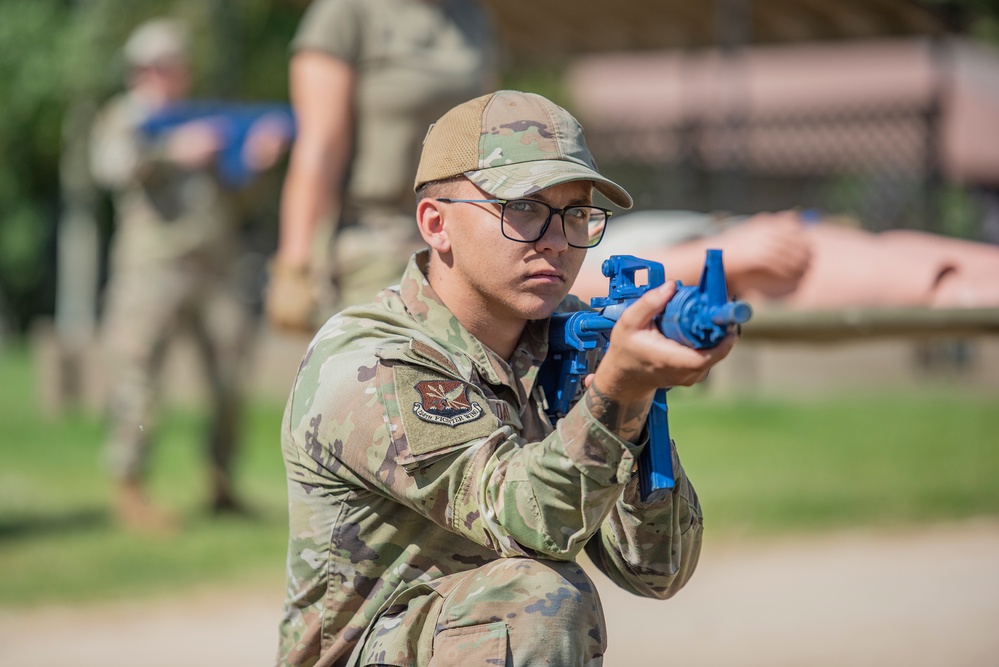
60,55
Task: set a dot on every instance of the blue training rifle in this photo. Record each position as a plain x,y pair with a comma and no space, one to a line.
233,121
696,316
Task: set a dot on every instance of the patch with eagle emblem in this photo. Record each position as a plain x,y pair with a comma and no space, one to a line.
439,414
445,402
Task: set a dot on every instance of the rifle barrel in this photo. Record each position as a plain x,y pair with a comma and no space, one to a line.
733,312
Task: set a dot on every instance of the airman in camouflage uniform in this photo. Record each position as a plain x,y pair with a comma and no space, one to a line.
367,78
435,511
173,267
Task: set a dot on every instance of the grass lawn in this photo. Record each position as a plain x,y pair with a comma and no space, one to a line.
760,467
57,538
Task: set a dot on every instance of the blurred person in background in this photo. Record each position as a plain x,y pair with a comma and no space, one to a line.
172,265
803,261
367,78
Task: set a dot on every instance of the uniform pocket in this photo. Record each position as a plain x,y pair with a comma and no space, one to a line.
471,646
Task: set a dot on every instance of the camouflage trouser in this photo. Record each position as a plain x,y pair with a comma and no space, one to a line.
146,308
512,612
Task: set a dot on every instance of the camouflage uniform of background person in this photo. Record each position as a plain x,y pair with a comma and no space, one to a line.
367,77
804,261
436,513
172,265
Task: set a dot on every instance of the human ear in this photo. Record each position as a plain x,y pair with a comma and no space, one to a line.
430,220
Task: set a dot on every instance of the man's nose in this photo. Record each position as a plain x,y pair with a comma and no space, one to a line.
554,237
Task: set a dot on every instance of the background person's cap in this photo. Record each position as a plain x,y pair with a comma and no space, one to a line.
511,144
156,41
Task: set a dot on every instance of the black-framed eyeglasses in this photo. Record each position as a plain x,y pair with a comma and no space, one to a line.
527,220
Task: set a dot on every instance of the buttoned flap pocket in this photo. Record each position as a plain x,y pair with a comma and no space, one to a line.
431,414
471,646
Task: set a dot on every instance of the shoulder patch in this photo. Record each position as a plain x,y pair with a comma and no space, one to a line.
440,413
445,402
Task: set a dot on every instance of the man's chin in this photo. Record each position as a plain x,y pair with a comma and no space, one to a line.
541,306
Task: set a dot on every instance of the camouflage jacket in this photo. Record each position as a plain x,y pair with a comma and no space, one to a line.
164,211
413,61
414,452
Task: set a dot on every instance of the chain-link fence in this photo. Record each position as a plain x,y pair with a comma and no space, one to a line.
879,164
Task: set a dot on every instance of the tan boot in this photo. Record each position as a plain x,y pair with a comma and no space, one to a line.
135,512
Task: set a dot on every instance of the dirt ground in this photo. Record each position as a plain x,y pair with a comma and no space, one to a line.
921,598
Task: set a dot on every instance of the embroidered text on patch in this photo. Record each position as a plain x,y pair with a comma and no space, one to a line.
445,402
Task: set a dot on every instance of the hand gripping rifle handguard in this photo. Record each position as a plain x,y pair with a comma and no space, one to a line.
233,122
697,316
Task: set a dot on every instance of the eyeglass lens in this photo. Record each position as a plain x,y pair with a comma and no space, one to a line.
524,220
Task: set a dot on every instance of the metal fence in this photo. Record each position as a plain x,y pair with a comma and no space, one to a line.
880,165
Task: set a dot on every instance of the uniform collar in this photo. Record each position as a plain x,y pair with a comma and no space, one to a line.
427,309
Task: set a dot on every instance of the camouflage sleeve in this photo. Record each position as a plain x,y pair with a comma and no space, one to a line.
118,154
651,549
114,150
431,442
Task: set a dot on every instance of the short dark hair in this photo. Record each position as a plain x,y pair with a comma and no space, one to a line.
444,187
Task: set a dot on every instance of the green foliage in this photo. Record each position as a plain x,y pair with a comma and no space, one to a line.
22,238
54,53
29,138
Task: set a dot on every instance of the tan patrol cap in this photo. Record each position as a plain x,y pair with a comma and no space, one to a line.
157,41
511,144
